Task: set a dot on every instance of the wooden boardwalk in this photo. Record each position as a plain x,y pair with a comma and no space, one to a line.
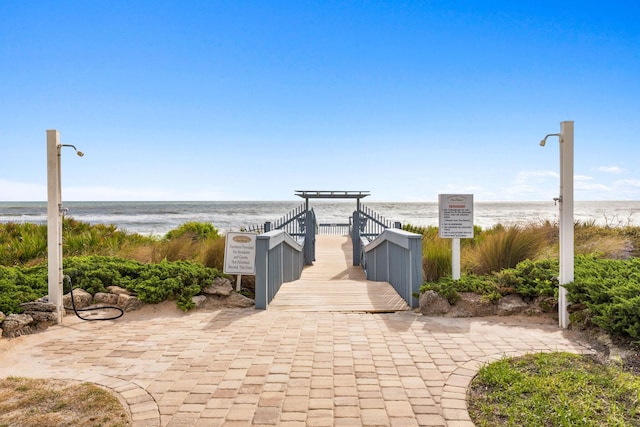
332,283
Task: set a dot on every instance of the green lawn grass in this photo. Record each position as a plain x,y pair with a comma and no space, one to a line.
554,389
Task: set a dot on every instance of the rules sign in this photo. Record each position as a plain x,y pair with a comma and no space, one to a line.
456,216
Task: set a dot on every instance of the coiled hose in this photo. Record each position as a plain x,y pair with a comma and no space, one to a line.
77,310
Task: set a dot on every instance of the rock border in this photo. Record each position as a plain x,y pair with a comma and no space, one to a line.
471,304
40,314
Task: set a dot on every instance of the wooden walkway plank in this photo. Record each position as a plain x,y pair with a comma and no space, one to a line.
334,284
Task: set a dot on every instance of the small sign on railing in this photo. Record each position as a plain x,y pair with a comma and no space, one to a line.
240,255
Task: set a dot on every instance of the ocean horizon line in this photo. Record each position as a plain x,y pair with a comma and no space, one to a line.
316,200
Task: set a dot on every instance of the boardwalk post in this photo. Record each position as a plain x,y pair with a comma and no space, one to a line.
262,272
309,237
355,237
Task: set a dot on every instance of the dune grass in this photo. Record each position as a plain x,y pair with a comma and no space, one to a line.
504,248
501,247
25,244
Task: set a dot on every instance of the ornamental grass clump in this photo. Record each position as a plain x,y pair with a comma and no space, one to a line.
504,248
436,259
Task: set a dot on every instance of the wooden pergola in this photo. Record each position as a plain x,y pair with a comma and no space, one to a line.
331,194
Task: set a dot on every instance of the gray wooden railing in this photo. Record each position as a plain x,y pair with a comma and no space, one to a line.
366,225
295,224
279,259
334,229
395,256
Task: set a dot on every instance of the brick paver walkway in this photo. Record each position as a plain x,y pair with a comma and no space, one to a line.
240,367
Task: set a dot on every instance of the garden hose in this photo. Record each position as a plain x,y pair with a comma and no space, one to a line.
77,310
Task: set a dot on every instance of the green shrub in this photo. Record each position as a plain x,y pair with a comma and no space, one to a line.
611,291
451,289
178,281
530,278
95,273
152,283
20,284
197,231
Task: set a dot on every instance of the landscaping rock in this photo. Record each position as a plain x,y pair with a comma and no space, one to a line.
104,298
221,286
239,301
472,305
129,303
38,306
43,319
42,312
16,325
510,305
118,290
81,298
199,300
432,304
235,300
546,304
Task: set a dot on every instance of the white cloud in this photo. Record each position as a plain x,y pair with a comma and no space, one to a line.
611,169
586,186
11,191
627,183
459,189
535,176
531,185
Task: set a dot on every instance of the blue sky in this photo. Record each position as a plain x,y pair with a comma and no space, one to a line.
251,100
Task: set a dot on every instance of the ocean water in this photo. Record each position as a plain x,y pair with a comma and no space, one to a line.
157,218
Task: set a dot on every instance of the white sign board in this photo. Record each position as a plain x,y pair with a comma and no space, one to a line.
240,253
456,216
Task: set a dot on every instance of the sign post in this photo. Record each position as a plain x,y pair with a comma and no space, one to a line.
455,222
240,255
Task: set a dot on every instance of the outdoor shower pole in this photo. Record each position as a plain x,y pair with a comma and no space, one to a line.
54,222
566,219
